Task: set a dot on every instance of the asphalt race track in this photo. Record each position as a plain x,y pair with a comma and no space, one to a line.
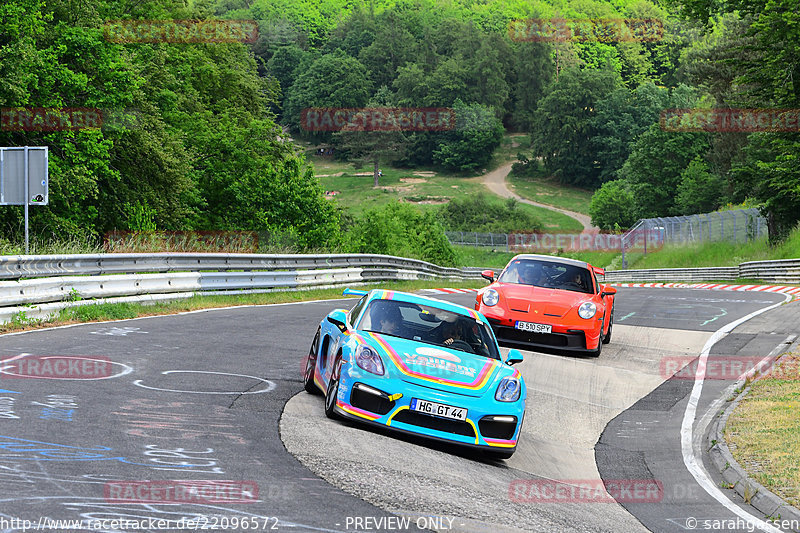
215,396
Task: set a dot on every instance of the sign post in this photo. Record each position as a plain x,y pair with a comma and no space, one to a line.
24,178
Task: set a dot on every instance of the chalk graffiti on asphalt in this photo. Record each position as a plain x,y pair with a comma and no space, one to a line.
174,420
13,449
117,331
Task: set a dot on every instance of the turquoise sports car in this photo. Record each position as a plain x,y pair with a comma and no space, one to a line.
418,365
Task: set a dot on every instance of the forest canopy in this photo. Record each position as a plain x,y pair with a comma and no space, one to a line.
209,145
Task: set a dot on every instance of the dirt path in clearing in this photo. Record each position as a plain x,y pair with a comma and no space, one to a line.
495,181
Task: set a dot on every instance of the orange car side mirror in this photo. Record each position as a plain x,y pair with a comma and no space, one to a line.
608,291
488,274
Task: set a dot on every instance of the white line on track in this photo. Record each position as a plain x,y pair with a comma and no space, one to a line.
204,310
688,448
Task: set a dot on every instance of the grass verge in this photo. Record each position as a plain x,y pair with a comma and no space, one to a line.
498,258
548,191
763,432
38,246
125,310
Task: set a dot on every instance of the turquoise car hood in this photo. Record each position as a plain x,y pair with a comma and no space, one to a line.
434,366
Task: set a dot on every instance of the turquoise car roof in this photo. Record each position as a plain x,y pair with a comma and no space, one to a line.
381,294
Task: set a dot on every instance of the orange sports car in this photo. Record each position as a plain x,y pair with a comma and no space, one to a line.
547,302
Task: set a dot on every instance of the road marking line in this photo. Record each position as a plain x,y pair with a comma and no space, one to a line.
688,443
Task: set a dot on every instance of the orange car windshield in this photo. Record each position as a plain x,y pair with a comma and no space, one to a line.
548,274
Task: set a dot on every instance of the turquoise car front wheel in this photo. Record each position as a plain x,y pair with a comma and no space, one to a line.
333,389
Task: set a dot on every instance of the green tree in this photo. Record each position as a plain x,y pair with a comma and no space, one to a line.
333,80
392,46
620,119
372,147
532,72
758,43
565,125
478,213
470,145
613,205
654,168
283,64
699,191
769,170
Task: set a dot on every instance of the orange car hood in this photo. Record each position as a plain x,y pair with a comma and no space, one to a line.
550,302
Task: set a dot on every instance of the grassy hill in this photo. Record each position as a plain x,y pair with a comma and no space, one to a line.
352,188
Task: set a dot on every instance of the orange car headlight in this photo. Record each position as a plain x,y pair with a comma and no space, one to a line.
587,310
490,297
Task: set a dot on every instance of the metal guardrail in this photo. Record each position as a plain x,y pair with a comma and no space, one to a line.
474,238
31,266
778,271
36,286
44,284
781,271
674,274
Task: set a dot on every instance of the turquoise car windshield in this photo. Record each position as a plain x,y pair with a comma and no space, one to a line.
431,325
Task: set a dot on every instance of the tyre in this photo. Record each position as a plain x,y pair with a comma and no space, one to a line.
607,338
600,342
333,389
596,353
311,363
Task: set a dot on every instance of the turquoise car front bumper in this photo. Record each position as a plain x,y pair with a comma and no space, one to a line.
385,401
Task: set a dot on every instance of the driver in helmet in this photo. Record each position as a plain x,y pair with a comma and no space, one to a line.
386,318
532,274
451,332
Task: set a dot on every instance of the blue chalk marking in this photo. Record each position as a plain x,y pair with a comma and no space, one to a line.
15,450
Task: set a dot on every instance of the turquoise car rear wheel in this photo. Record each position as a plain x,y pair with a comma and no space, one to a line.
311,363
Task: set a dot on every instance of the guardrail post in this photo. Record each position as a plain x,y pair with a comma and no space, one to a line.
646,224
624,259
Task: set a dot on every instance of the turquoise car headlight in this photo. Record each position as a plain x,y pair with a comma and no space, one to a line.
587,310
367,359
490,297
508,390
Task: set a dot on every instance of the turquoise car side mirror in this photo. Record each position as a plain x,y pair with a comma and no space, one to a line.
514,357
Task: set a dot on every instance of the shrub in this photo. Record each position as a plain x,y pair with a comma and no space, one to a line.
402,230
477,213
